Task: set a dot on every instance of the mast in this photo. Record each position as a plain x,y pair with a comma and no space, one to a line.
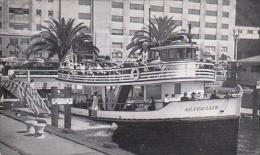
59,10
150,29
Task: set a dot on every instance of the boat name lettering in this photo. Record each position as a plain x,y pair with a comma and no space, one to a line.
201,108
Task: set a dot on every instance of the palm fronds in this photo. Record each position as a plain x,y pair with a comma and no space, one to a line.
160,31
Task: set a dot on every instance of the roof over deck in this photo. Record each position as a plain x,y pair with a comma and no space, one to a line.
254,59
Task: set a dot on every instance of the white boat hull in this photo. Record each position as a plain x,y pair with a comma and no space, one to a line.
184,110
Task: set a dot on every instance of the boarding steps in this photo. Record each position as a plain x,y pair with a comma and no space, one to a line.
27,95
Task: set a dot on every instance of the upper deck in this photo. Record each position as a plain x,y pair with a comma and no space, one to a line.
177,71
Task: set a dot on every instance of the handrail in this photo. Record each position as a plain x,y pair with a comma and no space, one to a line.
139,67
150,72
23,91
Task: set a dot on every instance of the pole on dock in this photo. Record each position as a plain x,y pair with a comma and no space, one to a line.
54,108
67,110
256,103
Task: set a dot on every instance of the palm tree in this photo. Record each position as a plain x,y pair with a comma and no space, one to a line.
59,37
160,32
86,45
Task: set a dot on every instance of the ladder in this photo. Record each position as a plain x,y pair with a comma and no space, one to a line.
26,94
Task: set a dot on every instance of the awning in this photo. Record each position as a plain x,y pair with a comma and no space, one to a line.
254,59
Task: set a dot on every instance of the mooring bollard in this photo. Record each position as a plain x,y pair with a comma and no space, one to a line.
39,130
30,126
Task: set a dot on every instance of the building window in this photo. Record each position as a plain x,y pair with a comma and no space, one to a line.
38,27
210,37
194,1
225,26
211,25
85,2
225,14
175,10
155,8
194,12
117,31
136,6
19,11
136,20
0,25
210,49
212,1
250,31
117,18
25,41
211,13
13,41
38,12
223,49
50,1
194,24
50,13
117,45
19,26
196,36
84,16
118,5
224,37
226,2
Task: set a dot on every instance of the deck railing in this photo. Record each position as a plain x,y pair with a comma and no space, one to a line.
165,71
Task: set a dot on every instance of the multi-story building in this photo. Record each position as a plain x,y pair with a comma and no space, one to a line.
248,24
113,22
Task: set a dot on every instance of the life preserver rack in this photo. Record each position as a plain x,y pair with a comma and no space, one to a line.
135,73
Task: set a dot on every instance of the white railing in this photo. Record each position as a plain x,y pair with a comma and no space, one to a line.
21,73
167,71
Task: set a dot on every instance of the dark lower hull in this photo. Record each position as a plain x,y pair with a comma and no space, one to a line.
212,137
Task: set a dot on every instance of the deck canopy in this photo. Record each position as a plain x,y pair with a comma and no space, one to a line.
255,59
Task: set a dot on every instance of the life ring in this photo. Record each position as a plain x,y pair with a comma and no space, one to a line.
135,73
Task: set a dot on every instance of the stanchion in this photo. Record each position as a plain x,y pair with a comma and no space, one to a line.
54,108
67,111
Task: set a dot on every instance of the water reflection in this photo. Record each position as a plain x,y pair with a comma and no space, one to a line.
248,138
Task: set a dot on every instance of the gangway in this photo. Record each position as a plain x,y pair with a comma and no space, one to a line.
26,94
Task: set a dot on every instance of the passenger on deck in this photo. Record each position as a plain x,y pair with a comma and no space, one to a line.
214,95
173,98
151,104
110,99
193,96
205,96
166,100
199,96
129,106
185,97
95,102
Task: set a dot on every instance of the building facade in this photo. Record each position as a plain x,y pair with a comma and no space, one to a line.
113,22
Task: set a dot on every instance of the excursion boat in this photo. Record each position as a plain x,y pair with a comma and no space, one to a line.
178,71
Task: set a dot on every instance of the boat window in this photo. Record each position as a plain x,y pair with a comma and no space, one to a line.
138,92
164,55
153,91
255,68
177,88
